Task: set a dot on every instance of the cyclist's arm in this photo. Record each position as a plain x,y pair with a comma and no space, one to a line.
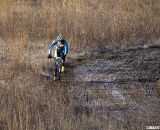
52,45
66,48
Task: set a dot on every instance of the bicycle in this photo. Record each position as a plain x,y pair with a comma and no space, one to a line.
58,67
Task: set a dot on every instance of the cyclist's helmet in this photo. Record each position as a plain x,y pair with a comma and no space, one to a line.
60,37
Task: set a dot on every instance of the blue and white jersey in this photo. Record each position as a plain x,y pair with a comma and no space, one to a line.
62,48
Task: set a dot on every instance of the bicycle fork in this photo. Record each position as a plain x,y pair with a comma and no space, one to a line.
57,73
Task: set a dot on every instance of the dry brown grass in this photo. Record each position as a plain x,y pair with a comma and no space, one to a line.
158,87
25,103
22,111
93,25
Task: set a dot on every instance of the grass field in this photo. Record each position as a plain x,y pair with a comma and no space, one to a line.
93,28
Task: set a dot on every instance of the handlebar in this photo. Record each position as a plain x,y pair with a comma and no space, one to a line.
55,58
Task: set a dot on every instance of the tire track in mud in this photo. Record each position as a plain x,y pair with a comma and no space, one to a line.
117,86
119,82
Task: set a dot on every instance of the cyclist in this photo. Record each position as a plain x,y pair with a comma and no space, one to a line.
61,48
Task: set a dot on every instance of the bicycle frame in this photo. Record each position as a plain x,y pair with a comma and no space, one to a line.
58,66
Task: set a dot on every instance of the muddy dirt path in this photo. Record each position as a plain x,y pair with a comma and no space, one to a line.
115,87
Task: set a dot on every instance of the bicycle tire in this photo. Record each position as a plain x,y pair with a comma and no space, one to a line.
55,74
59,73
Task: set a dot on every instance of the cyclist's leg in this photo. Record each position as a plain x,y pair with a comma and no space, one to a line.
63,57
58,53
55,73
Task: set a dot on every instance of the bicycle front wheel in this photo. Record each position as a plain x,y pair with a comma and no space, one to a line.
59,74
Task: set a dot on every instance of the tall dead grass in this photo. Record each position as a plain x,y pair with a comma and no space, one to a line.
96,24
88,24
158,87
21,111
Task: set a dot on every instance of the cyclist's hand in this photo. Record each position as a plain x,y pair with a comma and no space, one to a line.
49,56
65,54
